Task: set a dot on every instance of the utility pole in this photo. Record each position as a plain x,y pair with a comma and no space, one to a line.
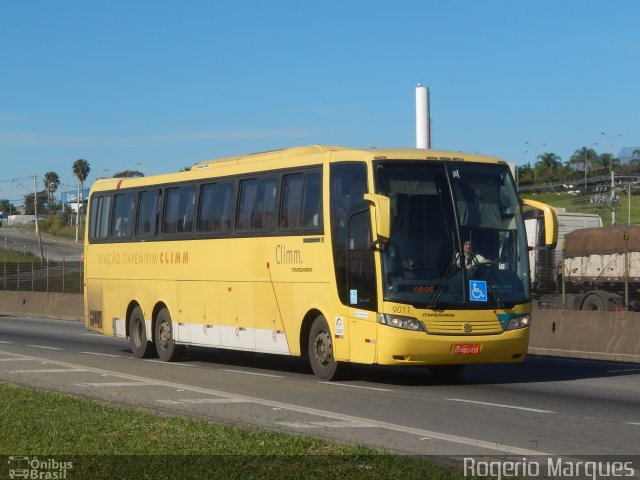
35,210
613,199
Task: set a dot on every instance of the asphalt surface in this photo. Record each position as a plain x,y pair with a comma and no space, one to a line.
545,406
54,248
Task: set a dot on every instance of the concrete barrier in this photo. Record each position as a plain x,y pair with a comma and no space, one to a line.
67,306
586,334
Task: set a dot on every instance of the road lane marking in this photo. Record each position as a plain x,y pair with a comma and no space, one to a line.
500,405
633,423
418,432
6,343
103,354
117,384
50,370
15,360
177,364
328,424
337,384
251,373
43,347
201,401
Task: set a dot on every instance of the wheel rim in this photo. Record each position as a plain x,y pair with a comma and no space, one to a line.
323,351
164,335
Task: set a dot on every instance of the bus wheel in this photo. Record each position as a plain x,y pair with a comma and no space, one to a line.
446,372
140,345
323,363
167,349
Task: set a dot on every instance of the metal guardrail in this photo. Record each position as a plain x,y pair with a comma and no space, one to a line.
49,276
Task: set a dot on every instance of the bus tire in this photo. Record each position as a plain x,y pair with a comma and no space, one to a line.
321,355
140,344
446,372
167,349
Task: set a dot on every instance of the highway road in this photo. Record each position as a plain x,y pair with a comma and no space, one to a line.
545,406
54,248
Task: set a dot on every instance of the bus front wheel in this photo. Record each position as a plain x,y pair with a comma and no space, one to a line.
140,345
321,355
167,349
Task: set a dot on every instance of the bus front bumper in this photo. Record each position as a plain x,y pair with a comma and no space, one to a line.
403,347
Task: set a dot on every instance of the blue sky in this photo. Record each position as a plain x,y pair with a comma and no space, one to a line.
159,85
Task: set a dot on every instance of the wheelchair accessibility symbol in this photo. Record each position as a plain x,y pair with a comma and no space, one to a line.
477,290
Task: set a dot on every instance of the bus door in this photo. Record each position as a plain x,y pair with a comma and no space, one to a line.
361,287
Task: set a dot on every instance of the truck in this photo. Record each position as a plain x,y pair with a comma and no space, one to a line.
592,268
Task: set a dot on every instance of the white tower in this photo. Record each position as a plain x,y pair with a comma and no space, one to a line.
423,122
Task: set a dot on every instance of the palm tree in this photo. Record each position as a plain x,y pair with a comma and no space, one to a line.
585,159
51,183
548,166
81,170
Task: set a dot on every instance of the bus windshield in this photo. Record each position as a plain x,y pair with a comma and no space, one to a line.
457,235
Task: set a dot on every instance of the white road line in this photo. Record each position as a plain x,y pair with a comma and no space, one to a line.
44,347
177,364
330,424
419,432
103,354
337,384
201,401
6,343
118,384
15,360
500,405
51,370
252,373
633,423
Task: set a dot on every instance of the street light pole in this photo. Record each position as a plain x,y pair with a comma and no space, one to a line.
613,183
535,152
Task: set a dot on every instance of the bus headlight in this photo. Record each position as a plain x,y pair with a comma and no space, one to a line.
398,321
519,322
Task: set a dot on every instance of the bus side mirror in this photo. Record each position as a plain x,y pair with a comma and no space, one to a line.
550,217
382,212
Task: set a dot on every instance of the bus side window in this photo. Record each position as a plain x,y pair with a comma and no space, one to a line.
124,210
223,207
265,207
291,201
99,218
148,213
207,208
312,201
178,209
248,190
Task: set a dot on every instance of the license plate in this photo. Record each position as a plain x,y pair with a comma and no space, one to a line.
466,348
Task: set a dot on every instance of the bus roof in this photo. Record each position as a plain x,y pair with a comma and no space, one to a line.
275,159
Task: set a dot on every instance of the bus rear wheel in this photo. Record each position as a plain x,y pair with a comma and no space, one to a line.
321,355
167,349
140,345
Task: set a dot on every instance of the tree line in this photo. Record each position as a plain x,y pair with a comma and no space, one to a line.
46,199
584,161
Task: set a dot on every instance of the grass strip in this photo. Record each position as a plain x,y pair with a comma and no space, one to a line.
76,438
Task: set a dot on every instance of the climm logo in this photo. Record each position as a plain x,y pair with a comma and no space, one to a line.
286,256
174,257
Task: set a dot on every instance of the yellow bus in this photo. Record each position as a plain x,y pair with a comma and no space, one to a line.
342,255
